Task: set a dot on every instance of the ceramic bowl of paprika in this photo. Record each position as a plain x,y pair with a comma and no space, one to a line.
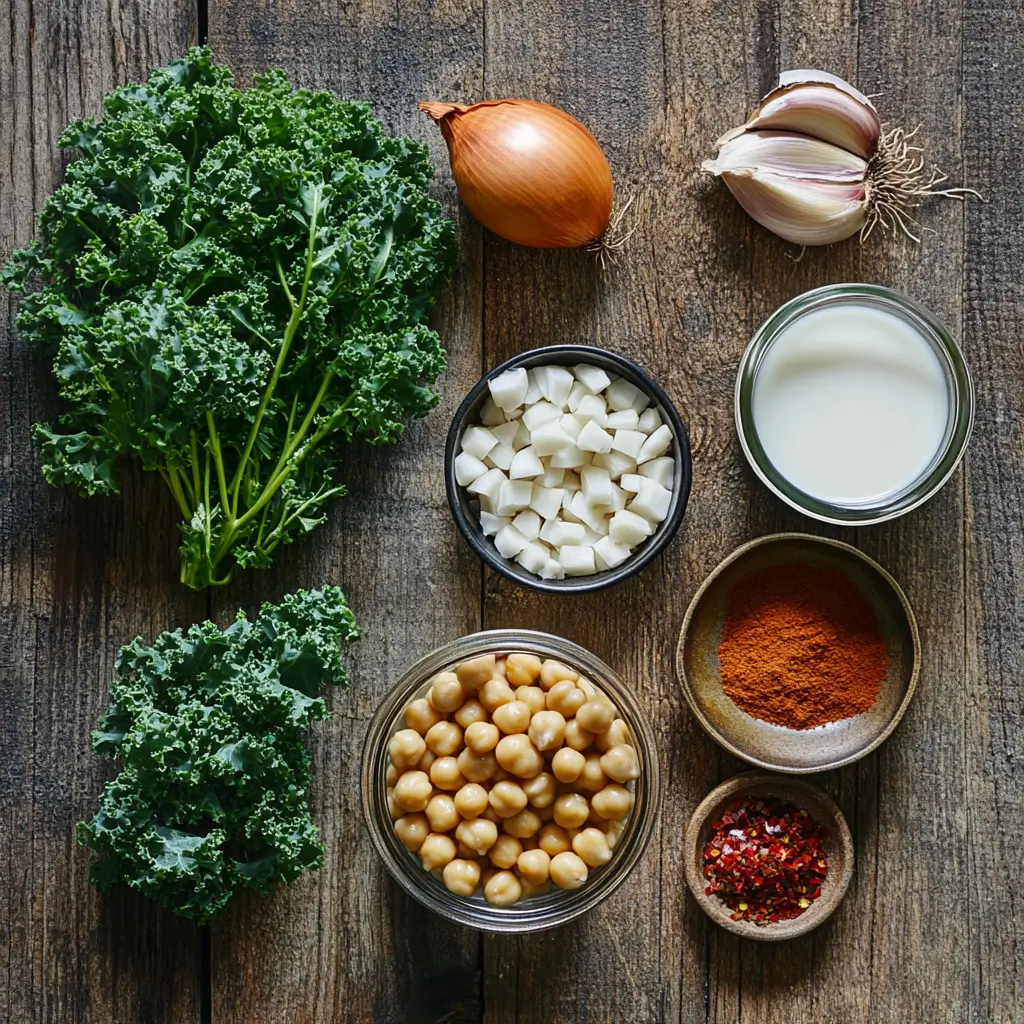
801,796
796,741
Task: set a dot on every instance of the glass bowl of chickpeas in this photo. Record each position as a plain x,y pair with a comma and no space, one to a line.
510,781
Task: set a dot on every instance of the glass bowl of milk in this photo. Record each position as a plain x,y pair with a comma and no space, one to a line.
854,404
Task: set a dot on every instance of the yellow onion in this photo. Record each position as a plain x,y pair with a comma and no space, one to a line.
528,171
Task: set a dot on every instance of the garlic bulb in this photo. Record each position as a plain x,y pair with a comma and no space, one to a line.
813,165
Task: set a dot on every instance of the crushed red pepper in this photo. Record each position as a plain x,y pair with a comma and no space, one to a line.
766,860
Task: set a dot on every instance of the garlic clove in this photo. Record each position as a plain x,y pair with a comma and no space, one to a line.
800,75
789,155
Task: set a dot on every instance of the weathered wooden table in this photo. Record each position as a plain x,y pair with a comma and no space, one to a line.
933,928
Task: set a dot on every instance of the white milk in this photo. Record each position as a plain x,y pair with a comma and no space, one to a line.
850,403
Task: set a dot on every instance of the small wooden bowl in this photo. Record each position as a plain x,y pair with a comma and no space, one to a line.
803,795
772,746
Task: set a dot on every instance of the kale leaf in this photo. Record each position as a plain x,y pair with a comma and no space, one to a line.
208,727
231,281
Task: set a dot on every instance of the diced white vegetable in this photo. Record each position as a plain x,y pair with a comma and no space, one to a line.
597,485
513,414
500,457
528,524
620,395
541,412
509,541
610,553
585,512
567,514
478,441
662,470
629,442
533,393
572,482
625,420
631,482
652,502
551,570
506,432
533,557
578,393
591,537
546,501
593,439
641,401
657,444
650,420
569,458
490,414
618,500
551,477
525,464
572,425
592,377
557,532
549,438
486,501
628,528
488,485
576,560
513,496
592,407
522,438
491,524
508,389
467,468
616,463
555,384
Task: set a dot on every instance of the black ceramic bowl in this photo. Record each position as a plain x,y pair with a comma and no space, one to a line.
466,516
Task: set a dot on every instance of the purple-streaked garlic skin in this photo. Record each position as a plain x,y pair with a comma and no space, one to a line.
789,154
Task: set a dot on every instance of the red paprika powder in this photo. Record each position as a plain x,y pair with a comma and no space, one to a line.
801,647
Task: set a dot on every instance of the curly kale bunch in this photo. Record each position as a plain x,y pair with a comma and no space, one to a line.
230,281
208,727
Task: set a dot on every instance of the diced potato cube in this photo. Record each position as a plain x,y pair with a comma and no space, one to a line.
500,457
509,542
591,537
650,420
610,554
597,485
491,524
620,395
631,482
593,439
467,468
592,377
551,477
625,420
652,501
540,412
546,501
577,560
592,407
528,524
490,414
585,512
533,557
506,432
662,470
572,481
568,458
508,389
629,442
533,393
657,444
641,401
513,496
629,529
578,393
551,570
616,463
555,384
522,438
525,464
572,425
488,485
549,438
557,533
618,500
478,441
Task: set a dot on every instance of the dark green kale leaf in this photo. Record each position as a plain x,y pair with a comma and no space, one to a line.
230,282
208,726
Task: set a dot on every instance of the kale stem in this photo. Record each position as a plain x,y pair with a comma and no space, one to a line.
195,466
206,509
170,475
222,483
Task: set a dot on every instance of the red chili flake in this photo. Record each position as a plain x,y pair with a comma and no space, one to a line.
766,861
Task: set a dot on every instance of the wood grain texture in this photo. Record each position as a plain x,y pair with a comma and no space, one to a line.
78,577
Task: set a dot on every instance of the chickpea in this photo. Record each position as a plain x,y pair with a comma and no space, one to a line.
567,764
392,775
446,694
568,871
522,825
612,832
587,687
478,834
618,732
477,767
491,815
620,764
473,674
436,851
546,814
512,717
482,737
547,730
591,846
499,669
533,697
507,798
441,813
553,671
613,803
419,715
571,810
576,736
470,712
500,775
502,889
444,739
522,669
554,840
529,889
462,876
540,790
530,843
534,866
593,818
393,809
518,755
445,774
412,791
596,715
566,698
592,778
471,800
494,693
505,851
426,761
412,830
406,747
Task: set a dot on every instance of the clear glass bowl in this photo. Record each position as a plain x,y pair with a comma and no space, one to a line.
534,913
958,425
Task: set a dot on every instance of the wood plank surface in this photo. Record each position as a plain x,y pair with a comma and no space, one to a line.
78,577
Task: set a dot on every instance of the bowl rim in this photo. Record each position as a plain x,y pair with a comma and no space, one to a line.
486,551
738,553
819,911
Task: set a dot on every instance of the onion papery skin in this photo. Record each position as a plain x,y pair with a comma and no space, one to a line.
527,171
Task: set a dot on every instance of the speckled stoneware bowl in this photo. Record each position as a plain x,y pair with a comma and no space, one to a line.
801,794
772,746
